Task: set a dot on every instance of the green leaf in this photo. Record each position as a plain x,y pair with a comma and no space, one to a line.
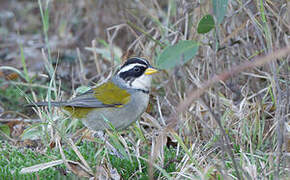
219,9
177,54
5,129
205,24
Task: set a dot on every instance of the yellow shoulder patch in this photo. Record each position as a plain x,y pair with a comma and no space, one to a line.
78,112
109,93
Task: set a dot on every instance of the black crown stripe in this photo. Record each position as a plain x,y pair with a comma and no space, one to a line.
136,60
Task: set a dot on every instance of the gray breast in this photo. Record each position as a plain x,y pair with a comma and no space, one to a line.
121,117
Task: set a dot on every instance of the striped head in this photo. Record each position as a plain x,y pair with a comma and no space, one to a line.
136,73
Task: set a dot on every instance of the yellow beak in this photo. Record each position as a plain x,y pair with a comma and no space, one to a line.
151,70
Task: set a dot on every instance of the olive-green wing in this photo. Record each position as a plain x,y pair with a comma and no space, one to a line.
105,95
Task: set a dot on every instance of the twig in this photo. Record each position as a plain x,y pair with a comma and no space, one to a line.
192,95
28,85
98,67
145,33
80,156
3,120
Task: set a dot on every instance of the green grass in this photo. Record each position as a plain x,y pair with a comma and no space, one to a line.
11,98
13,159
15,96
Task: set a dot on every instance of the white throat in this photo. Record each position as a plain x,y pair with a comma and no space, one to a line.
143,82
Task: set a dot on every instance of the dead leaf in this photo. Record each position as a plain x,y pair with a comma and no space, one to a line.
12,76
79,169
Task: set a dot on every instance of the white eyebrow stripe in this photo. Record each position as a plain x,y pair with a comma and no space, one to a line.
144,60
130,66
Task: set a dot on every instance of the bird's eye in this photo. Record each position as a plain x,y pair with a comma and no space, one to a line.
136,69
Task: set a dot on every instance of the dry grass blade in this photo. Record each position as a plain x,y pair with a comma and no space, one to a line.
40,167
80,156
75,167
192,95
97,62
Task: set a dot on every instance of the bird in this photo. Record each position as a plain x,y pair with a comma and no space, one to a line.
119,102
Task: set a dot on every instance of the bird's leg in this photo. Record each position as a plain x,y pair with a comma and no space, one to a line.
112,150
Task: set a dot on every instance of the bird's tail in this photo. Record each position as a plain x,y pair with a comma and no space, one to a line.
40,104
